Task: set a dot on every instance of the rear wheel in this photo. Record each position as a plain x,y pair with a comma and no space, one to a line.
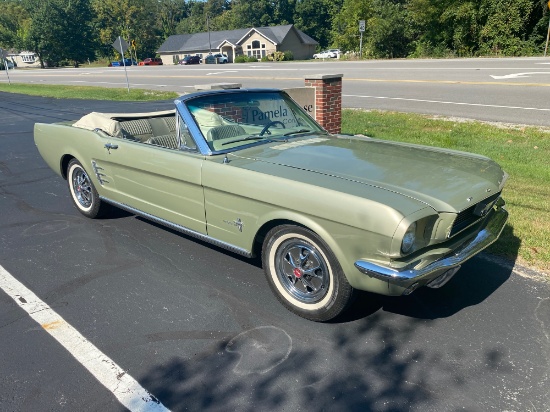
83,193
304,274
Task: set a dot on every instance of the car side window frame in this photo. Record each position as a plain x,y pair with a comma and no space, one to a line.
186,142
183,115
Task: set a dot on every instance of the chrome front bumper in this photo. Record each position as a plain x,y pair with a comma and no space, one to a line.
418,277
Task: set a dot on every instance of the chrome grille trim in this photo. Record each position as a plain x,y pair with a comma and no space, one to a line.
467,217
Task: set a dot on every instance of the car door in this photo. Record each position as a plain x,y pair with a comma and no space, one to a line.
162,182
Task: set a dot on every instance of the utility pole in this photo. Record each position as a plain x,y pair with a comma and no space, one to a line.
547,34
3,58
121,46
208,28
361,30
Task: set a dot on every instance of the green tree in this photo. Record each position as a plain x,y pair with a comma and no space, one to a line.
427,32
131,19
538,25
59,30
44,36
169,14
385,30
259,13
195,20
283,12
79,40
345,24
313,17
14,24
503,31
463,27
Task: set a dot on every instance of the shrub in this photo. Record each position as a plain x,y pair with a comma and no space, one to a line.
288,55
241,59
276,56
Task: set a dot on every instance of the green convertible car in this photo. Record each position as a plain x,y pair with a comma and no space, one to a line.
250,171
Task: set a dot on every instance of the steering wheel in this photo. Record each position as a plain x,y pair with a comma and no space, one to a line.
267,126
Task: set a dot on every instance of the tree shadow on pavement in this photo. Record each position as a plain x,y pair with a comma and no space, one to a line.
385,354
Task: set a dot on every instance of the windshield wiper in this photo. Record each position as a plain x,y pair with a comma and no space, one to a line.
297,131
247,138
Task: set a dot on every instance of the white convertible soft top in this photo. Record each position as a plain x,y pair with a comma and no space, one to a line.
110,122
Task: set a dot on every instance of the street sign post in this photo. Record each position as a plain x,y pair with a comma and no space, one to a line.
120,45
361,31
3,57
133,45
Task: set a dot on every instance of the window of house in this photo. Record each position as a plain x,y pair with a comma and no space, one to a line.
258,49
28,58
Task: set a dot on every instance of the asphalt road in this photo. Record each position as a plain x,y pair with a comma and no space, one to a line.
511,90
199,329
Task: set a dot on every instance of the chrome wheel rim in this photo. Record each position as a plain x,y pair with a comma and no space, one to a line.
82,188
302,271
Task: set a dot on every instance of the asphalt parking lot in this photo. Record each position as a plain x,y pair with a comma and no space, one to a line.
199,329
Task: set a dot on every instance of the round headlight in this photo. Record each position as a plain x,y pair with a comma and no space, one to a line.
409,239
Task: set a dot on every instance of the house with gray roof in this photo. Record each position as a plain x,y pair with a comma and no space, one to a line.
255,41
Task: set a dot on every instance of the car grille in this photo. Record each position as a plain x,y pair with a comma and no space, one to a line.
469,216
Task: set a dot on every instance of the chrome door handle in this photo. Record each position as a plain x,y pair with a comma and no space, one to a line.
110,146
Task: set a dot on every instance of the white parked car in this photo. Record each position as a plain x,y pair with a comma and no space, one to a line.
327,54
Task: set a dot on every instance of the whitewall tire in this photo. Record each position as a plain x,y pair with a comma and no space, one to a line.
83,193
304,274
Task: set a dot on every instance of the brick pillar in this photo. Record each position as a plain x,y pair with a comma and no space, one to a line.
328,100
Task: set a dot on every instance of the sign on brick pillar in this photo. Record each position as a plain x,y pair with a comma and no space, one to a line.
328,100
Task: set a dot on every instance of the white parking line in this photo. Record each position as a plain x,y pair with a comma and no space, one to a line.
446,102
125,388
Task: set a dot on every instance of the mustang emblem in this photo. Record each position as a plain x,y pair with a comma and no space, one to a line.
237,223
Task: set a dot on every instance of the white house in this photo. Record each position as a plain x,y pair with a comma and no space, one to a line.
24,59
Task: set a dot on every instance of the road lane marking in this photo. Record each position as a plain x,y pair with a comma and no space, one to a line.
516,75
219,75
125,388
497,106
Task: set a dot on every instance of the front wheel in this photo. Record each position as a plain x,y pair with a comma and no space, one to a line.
83,193
304,274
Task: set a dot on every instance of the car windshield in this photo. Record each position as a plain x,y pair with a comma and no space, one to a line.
234,120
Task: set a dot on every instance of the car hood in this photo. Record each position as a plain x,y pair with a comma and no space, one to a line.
446,180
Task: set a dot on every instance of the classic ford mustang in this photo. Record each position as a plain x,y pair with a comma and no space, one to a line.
250,171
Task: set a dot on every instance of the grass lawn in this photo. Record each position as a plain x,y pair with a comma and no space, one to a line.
86,92
524,152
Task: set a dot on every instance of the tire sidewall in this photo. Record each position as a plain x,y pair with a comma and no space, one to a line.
92,210
334,301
